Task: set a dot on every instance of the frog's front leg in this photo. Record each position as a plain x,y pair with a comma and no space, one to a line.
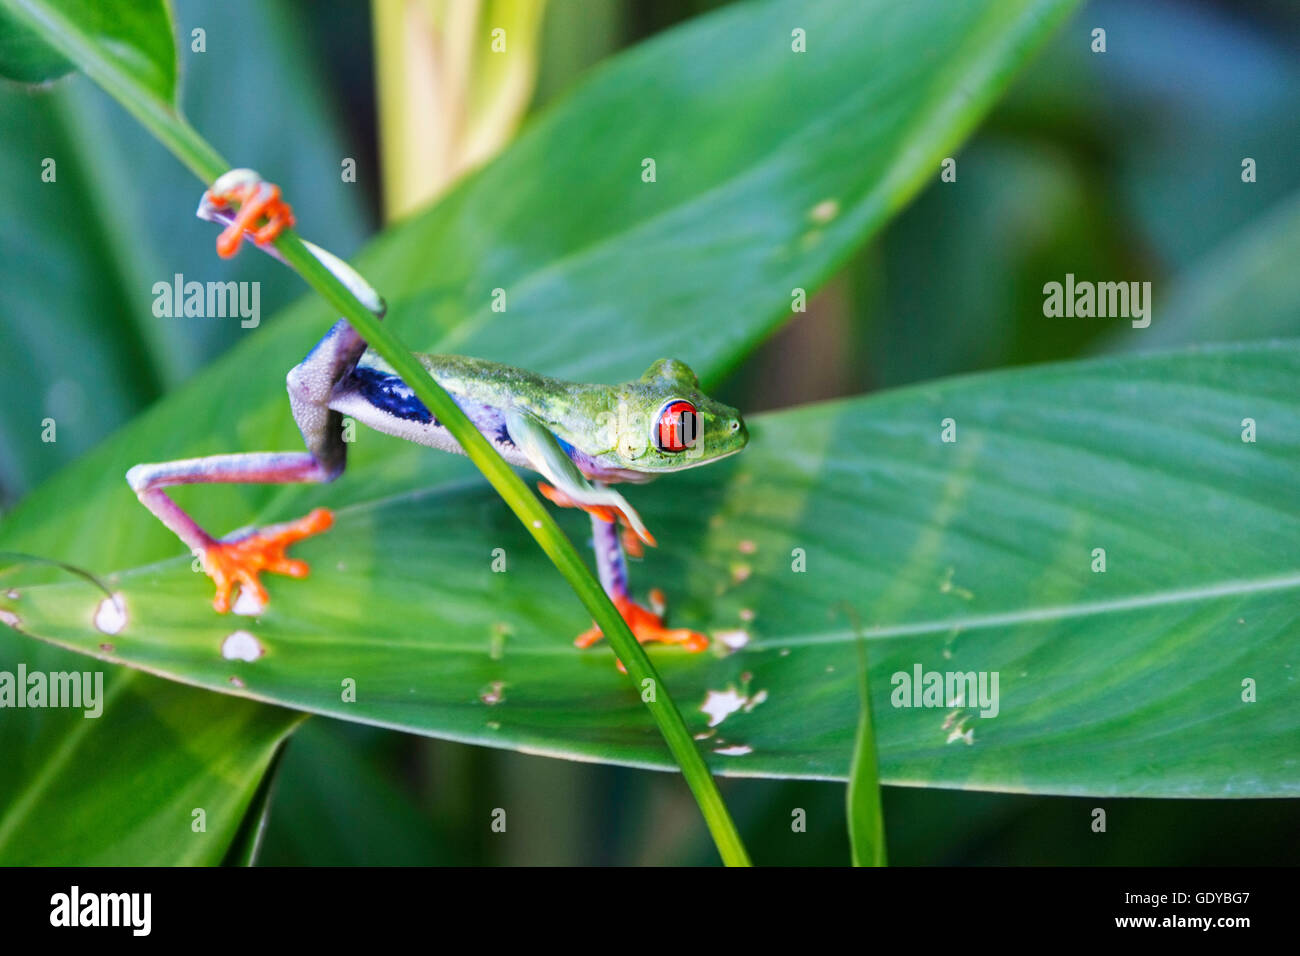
239,560
632,543
646,624
569,487
246,205
604,504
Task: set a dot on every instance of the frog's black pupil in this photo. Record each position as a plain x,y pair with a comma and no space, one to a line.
687,428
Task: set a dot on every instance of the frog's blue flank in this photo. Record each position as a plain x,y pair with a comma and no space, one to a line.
388,392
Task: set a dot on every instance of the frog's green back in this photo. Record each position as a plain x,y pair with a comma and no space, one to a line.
568,407
614,425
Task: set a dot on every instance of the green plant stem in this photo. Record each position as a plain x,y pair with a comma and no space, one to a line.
207,164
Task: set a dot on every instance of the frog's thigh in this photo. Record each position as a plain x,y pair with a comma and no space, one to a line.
311,384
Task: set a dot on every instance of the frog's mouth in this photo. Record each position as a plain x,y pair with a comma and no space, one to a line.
687,464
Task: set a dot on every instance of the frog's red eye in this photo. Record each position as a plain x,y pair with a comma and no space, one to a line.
678,426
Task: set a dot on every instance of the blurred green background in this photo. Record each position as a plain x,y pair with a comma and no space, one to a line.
1097,165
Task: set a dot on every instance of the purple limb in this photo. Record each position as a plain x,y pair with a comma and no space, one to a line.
610,562
148,482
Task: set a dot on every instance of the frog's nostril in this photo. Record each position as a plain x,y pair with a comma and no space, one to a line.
735,424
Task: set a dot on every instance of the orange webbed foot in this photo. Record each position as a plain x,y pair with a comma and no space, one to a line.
239,562
648,627
258,200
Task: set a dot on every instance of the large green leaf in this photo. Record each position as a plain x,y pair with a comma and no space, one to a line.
976,555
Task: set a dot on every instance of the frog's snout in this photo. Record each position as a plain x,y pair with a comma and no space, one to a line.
739,433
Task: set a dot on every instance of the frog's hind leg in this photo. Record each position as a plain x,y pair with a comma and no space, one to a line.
239,560
646,624
236,561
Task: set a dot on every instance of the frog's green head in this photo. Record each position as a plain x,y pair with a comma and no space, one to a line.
665,423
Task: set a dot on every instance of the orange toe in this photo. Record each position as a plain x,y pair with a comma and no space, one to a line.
588,637
632,545
240,562
557,497
258,202
647,626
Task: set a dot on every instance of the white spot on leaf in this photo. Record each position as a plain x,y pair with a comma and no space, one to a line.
824,211
737,750
247,604
733,639
721,704
110,616
241,646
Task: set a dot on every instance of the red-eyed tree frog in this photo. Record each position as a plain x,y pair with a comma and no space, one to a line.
580,438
